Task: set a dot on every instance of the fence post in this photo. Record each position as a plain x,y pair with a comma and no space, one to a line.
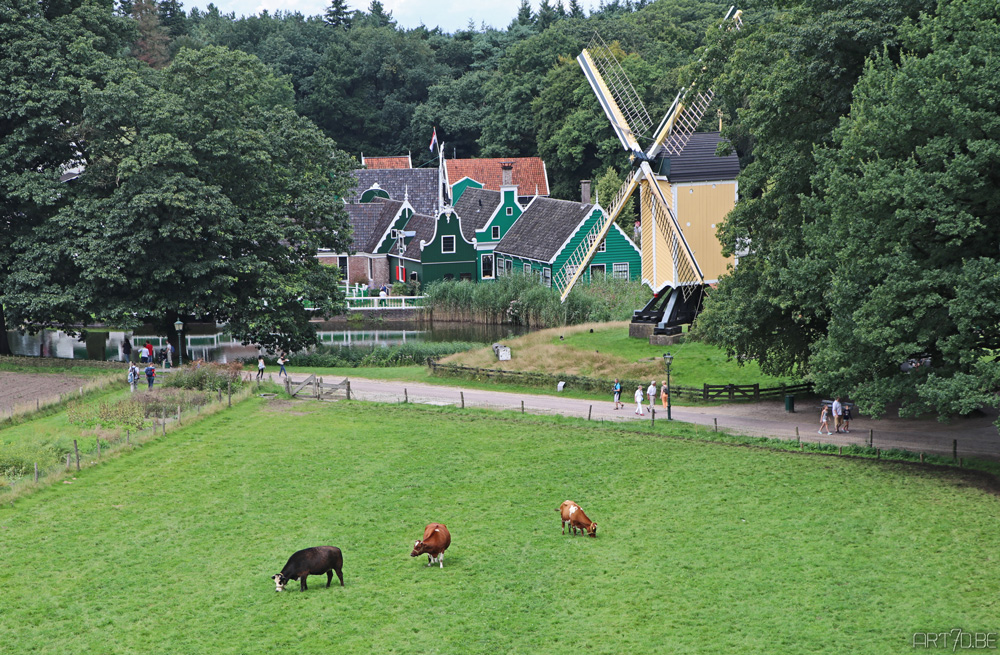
522,407
954,448
921,458
229,392
406,396
589,411
76,449
652,417
704,392
797,434
716,421
128,435
348,389
98,447
462,393
871,437
36,472
756,392
178,413
36,403
67,461
732,393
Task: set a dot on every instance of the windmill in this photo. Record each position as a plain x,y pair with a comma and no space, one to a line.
668,259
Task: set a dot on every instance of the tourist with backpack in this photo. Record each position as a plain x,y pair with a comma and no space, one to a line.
150,375
133,376
616,389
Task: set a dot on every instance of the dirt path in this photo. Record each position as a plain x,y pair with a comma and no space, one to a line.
976,436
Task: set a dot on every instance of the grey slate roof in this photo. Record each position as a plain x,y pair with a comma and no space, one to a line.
424,226
363,218
387,212
698,163
419,184
543,228
475,208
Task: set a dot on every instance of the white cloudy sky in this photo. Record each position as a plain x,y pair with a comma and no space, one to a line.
450,15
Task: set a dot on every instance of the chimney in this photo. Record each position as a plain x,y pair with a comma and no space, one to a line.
506,173
585,191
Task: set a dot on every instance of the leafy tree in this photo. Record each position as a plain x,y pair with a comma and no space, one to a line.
338,15
48,56
152,46
172,18
204,196
608,185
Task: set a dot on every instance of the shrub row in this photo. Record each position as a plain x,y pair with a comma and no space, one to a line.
402,355
520,300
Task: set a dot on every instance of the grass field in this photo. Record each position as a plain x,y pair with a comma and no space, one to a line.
701,548
609,352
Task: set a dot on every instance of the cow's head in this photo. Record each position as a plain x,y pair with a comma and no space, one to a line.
592,530
419,548
279,581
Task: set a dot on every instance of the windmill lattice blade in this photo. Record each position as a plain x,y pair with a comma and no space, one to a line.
687,122
578,260
621,88
687,276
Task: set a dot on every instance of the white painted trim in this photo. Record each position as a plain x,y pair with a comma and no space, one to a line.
577,229
406,205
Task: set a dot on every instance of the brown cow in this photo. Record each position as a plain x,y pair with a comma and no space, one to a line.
436,540
572,514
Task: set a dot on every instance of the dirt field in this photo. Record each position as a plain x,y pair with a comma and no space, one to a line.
19,391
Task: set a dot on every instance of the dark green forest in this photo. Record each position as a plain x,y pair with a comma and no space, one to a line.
216,146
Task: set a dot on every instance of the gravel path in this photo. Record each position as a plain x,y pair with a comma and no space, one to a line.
976,436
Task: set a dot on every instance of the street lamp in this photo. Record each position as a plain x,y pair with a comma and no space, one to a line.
179,325
667,359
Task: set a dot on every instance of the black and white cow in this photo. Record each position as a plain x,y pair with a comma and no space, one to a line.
311,561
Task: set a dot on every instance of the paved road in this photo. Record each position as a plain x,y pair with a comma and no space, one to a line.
976,436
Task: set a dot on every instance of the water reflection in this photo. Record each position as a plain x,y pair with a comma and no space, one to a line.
208,342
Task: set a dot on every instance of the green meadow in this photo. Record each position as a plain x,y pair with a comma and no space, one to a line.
701,547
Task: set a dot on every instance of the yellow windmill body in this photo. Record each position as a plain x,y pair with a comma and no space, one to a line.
680,251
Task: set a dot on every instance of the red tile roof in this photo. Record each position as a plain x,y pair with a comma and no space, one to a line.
372,163
528,173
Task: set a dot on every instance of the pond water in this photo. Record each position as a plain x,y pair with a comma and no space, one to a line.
212,343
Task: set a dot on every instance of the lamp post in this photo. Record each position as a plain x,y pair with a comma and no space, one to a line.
667,359
179,325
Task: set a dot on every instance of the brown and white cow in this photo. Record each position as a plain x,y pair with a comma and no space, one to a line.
436,540
572,514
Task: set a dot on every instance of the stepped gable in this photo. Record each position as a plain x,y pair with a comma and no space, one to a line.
699,163
475,208
543,228
424,226
418,184
527,174
374,227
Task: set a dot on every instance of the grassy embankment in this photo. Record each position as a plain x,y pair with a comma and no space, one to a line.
606,353
701,547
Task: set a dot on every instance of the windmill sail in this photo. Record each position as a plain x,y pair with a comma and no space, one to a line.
615,92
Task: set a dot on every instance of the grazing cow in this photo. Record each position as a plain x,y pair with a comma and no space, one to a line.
436,540
572,514
311,561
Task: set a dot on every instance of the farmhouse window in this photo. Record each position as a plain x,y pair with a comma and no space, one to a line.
527,268
447,244
487,267
620,271
495,232
547,277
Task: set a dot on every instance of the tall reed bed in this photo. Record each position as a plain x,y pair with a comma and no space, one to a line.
519,299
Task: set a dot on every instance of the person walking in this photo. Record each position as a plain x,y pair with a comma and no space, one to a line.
838,412
824,420
149,352
150,375
616,389
638,400
127,349
664,394
847,418
281,362
170,352
651,394
260,368
133,376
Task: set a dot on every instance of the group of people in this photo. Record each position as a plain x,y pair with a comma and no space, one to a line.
134,375
650,395
841,417
282,360
146,355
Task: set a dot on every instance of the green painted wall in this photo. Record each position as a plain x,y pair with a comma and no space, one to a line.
398,224
371,194
459,187
618,250
437,264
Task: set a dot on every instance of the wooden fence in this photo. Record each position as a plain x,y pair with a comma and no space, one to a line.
315,387
706,393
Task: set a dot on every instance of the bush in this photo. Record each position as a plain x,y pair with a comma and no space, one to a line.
403,355
206,376
17,460
155,403
519,299
125,413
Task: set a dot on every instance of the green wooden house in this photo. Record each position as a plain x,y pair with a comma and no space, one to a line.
487,216
549,230
430,249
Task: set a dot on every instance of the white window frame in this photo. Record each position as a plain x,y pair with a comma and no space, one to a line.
527,268
547,277
603,247
510,211
617,271
393,233
493,266
495,232
603,267
444,249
